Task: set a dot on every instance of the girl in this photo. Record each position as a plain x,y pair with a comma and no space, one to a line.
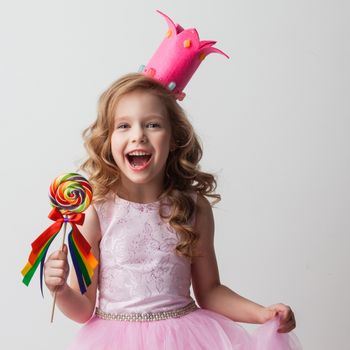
151,228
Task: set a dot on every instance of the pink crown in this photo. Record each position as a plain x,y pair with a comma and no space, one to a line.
178,57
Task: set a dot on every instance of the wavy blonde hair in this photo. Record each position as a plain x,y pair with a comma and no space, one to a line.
182,173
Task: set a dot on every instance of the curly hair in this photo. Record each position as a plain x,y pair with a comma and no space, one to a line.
183,176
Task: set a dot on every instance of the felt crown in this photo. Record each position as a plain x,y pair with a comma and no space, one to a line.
178,57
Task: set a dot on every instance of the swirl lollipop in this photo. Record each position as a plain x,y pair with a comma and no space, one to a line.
70,194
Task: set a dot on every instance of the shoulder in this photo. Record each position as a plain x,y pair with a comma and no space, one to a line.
91,227
203,208
202,204
204,223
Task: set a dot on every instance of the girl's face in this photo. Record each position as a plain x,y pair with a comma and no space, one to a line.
141,139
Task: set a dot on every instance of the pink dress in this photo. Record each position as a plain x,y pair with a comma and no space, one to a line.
144,300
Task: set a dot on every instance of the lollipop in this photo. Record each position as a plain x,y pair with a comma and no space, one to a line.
70,194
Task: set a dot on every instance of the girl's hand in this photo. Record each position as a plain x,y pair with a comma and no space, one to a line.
287,320
56,270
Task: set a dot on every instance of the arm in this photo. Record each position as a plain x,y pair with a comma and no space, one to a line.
212,295
70,301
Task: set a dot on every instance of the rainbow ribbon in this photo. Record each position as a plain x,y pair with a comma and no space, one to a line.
83,260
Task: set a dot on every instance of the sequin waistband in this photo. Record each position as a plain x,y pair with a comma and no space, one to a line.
147,316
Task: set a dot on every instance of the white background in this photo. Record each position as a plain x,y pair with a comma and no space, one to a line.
274,121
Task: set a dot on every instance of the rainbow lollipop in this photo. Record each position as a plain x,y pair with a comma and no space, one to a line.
70,194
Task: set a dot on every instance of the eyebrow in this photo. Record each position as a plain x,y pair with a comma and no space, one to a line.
148,116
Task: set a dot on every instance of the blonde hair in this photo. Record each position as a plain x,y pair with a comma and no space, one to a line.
182,172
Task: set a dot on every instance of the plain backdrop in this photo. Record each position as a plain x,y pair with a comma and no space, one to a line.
273,120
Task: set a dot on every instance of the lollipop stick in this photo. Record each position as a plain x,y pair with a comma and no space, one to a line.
62,245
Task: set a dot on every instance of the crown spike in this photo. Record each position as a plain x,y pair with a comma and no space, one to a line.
172,26
206,43
208,50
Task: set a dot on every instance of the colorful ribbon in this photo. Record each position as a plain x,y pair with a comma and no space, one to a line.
83,260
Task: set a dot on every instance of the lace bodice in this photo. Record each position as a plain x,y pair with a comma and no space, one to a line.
139,270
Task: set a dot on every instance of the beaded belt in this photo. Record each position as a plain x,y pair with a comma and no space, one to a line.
147,316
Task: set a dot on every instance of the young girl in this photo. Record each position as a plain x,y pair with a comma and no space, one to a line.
151,228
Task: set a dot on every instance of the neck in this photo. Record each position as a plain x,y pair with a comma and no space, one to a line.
139,193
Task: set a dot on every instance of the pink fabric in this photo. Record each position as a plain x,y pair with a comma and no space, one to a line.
199,330
266,337
140,272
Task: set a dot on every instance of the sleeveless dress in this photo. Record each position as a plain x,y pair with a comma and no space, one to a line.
144,300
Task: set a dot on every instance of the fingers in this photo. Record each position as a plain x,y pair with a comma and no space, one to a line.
286,316
59,254
56,270
289,326
287,321
55,279
56,267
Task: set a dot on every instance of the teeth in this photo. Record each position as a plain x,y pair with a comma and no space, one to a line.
138,153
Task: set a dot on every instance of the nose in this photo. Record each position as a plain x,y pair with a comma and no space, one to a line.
138,135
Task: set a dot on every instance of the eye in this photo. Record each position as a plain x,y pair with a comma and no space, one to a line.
153,125
122,126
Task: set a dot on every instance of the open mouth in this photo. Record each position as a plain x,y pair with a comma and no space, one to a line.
138,160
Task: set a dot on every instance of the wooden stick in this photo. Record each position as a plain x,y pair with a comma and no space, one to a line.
54,297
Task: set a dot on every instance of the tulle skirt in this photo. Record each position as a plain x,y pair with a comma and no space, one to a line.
198,330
